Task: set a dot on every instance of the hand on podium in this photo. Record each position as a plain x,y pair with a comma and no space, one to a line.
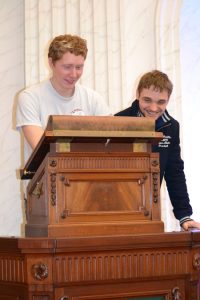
190,225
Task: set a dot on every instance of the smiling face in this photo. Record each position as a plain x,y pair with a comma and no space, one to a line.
66,72
153,102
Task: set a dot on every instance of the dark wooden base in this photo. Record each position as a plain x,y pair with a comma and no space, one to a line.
158,266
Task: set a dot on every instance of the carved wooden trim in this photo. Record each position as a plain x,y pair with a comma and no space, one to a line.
141,182
39,271
99,162
114,266
196,261
53,189
155,187
12,269
155,164
53,163
176,294
65,180
38,190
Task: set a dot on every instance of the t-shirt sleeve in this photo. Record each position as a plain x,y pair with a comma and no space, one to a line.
28,110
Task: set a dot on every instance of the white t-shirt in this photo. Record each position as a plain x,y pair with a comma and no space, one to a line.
38,102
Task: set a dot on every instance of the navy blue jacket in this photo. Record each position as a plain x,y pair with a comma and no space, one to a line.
171,164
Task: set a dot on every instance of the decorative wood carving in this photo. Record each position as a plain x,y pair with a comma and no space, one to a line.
53,188
12,269
101,162
156,187
196,261
38,191
119,266
176,295
39,271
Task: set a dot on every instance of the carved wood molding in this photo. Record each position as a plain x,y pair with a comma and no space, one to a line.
39,271
53,189
114,266
12,269
99,162
196,261
155,186
38,190
176,294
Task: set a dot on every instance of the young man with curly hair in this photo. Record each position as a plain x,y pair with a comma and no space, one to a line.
61,94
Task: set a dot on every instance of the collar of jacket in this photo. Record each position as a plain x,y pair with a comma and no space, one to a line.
162,121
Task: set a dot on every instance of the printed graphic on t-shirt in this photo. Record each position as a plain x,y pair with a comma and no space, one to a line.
165,142
78,112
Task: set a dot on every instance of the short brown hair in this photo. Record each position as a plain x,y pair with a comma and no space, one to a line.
67,43
157,79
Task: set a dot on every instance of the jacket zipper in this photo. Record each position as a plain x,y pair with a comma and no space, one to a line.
164,126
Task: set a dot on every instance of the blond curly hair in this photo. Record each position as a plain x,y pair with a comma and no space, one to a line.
67,43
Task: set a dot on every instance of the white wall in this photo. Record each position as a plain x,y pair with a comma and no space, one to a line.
11,81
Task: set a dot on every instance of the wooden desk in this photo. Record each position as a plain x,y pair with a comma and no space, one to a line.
162,266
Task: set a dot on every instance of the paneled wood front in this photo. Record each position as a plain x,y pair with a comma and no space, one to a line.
79,194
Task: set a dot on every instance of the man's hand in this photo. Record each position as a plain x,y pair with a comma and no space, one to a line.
190,224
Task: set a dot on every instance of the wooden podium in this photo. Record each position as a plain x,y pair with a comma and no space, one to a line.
93,227
94,176
162,266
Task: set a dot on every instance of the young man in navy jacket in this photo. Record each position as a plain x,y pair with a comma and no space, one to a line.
153,93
